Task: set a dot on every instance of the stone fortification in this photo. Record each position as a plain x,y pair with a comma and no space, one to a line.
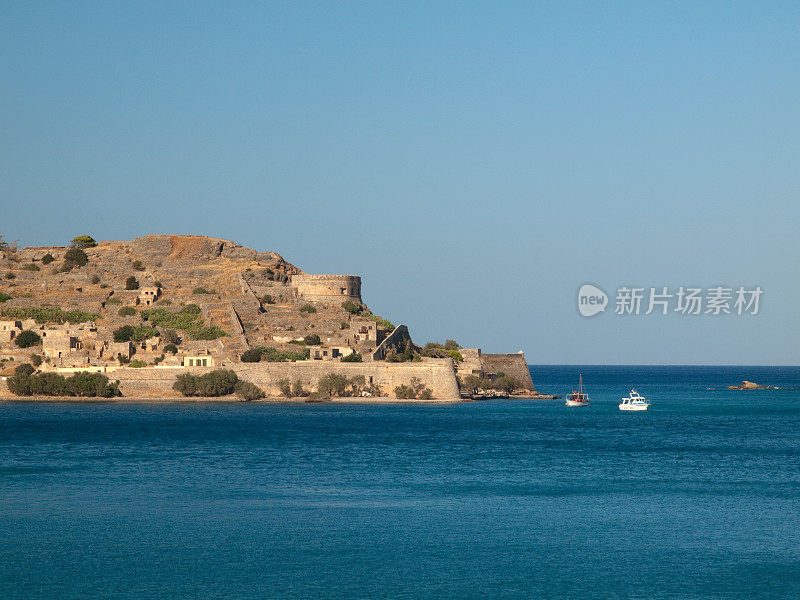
436,373
510,364
328,288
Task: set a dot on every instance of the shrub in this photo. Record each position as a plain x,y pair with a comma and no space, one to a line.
47,259
415,389
52,384
131,283
216,383
10,275
31,267
186,319
208,333
248,391
186,384
25,369
137,364
126,311
36,360
451,345
171,348
297,389
95,279
354,308
285,387
308,309
267,299
455,355
27,339
352,358
270,354
50,314
200,290
252,355
113,300
129,333
404,392
84,241
138,266
312,339
75,257
333,384
4,297
158,284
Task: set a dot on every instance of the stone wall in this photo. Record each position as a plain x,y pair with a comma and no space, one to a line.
436,373
510,364
328,288
394,342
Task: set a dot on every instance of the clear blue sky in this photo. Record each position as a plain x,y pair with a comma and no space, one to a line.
474,162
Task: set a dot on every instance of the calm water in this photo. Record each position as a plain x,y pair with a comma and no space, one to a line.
699,498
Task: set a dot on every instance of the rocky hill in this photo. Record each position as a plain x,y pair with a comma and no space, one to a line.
246,295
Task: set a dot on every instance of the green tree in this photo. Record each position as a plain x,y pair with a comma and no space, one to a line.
27,339
354,308
75,257
84,241
285,387
248,391
312,339
47,259
251,355
26,369
297,389
131,283
352,358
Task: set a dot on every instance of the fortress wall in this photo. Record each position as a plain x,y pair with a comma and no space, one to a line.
328,288
436,373
510,364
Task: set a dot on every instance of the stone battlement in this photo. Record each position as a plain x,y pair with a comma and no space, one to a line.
328,288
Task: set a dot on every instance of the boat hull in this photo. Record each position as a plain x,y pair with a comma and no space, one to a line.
634,406
576,403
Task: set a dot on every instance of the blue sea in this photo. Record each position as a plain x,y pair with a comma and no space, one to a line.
697,498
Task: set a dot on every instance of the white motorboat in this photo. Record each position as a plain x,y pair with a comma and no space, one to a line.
634,402
579,398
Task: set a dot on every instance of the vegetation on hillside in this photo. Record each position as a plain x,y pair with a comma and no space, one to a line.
49,314
28,339
52,384
416,389
186,319
221,382
270,354
84,241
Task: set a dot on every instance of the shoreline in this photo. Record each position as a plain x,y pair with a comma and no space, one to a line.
225,399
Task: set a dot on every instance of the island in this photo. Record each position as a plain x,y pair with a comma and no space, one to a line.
195,317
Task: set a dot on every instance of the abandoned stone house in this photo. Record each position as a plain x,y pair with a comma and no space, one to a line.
9,330
148,295
203,358
324,353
